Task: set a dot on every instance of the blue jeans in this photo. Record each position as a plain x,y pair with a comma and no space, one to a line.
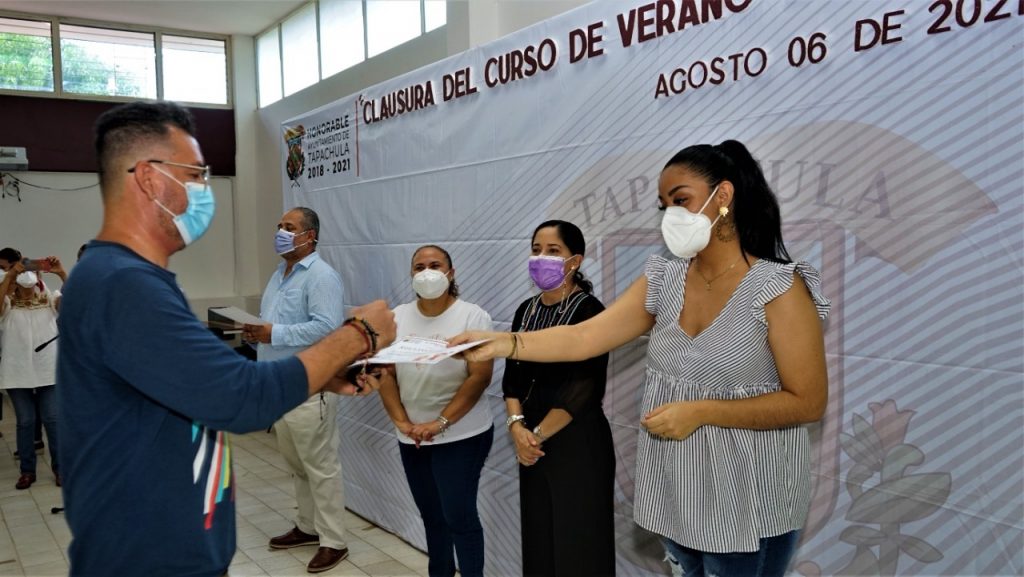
770,560
24,401
444,480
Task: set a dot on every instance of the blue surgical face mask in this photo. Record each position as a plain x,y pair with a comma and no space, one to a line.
284,241
195,221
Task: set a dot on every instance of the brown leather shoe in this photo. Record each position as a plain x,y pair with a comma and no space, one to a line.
25,481
294,538
326,559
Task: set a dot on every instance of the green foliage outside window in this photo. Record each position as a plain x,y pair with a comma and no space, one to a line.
26,63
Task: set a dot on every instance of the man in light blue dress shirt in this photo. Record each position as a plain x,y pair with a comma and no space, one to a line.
301,304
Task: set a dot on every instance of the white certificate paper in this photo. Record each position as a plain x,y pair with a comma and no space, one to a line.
417,350
239,316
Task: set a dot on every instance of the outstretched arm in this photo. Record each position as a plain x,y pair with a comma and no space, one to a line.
335,352
625,320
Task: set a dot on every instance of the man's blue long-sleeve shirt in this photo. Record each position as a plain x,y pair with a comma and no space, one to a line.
145,394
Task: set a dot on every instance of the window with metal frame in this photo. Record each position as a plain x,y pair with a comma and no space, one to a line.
325,37
83,59
108,62
26,55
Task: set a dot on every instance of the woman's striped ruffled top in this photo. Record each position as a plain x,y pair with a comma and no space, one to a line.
720,490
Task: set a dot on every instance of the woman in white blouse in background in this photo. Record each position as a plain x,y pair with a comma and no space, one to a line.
28,315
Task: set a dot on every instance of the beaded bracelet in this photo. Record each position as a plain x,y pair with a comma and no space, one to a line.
367,330
362,331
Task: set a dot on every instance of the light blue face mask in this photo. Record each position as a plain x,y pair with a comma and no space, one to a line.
284,241
195,221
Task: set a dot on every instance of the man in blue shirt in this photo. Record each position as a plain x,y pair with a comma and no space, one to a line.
145,391
301,304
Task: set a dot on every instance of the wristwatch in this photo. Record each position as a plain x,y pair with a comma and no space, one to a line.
511,420
539,434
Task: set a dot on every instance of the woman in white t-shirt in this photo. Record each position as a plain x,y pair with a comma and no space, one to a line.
28,314
444,430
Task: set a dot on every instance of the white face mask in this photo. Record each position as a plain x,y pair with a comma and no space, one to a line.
27,279
430,283
687,233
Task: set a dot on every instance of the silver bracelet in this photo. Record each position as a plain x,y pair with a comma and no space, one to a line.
513,419
444,424
539,433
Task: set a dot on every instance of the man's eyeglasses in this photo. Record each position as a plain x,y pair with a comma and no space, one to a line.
205,170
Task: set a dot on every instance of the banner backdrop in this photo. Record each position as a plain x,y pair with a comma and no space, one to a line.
893,134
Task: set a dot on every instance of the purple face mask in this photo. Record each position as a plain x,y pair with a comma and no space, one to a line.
547,272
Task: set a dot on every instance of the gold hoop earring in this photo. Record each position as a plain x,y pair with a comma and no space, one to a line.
725,230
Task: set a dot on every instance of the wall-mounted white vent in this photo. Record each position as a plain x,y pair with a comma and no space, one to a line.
13,158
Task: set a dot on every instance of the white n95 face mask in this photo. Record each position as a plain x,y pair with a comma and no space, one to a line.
430,283
686,233
27,279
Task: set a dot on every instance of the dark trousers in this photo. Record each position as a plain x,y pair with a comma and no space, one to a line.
566,503
444,479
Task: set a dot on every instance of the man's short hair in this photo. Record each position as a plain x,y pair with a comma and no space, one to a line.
310,220
125,128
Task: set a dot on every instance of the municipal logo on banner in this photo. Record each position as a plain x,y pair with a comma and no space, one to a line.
296,159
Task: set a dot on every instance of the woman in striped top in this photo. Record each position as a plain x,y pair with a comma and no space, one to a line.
562,439
723,468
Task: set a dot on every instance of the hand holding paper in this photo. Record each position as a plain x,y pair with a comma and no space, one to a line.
477,346
257,333
417,350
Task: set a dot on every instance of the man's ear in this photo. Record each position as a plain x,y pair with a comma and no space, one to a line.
145,179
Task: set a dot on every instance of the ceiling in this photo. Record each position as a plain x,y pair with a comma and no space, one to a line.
246,17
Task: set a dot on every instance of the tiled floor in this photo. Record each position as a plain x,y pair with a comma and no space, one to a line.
33,541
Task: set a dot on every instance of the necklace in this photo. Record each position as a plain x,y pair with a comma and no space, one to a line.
707,281
532,319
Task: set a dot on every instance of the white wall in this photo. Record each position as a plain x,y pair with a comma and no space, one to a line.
49,222
55,222
470,23
231,264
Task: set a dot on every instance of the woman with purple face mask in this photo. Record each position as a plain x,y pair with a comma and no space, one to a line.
561,437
